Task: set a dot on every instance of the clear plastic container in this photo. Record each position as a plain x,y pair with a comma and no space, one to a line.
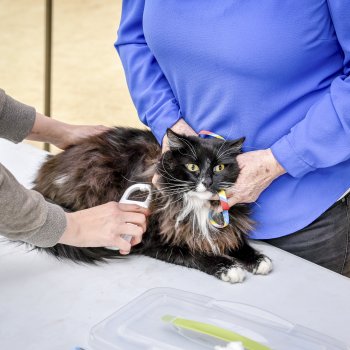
139,325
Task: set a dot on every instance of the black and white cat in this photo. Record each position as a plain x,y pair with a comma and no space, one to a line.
101,168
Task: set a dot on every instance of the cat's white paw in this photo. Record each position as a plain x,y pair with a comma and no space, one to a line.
264,267
234,274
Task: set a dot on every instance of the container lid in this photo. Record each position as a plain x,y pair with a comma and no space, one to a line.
172,319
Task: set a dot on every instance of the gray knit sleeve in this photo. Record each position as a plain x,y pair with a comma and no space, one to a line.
26,216
16,118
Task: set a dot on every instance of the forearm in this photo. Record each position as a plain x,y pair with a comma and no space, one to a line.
19,121
26,216
16,118
149,88
272,167
49,130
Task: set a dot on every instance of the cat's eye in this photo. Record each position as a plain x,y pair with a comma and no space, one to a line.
192,167
218,168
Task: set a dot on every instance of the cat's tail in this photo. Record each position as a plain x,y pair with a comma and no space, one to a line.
81,255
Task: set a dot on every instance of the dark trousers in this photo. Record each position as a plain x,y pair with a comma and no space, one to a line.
326,241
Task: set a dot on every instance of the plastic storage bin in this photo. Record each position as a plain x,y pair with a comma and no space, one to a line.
139,325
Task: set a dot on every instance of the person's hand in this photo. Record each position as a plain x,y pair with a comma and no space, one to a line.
180,127
101,226
75,133
257,170
61,134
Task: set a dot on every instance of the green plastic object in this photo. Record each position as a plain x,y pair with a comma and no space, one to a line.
213,331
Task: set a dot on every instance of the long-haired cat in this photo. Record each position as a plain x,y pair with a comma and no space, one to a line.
101,168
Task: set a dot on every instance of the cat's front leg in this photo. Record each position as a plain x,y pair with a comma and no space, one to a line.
252,260
225,268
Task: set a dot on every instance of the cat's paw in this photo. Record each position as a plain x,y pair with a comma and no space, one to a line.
263,266
233,274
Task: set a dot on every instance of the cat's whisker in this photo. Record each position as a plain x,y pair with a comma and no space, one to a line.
256,203
179,190
171,178
168,204
190,146
167,185
176,192
173,202
170,189
187,154
159,195
170,193
144,182
224,153
180,182
163,171
165,195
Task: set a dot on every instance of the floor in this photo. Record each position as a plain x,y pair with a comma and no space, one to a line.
88,85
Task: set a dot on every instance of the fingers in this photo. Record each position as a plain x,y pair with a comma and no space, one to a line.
232,201
155,180
124,252
122,244
135,241
133,208
132,230
136,219
131,222
215,197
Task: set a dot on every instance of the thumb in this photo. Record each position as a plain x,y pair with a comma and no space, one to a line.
155,180
233,201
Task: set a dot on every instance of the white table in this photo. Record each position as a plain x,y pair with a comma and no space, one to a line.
47,304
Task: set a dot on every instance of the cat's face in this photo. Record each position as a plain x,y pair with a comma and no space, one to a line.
198,166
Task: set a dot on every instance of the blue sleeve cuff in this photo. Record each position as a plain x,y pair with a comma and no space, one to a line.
166,116
285,154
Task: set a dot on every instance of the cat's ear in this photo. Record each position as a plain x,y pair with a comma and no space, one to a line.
175,140
236,144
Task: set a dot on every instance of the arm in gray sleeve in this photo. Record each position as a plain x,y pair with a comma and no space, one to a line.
16,118
26,216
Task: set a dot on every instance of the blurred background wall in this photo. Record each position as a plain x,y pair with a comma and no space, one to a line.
88,84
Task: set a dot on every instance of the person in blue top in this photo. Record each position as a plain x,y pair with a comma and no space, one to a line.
276,72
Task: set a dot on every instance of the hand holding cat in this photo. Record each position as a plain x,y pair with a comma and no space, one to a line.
257,170
76,133
101,226
61,134
180,127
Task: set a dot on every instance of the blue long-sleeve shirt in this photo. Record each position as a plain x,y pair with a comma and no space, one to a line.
274,71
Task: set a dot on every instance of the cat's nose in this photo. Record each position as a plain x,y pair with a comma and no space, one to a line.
207,182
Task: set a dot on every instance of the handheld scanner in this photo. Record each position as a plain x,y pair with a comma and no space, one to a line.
145,203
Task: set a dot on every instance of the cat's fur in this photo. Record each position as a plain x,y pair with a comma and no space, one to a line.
100,168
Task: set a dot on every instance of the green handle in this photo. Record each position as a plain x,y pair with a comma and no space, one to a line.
214,331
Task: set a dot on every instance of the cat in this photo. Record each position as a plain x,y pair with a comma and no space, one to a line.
102,167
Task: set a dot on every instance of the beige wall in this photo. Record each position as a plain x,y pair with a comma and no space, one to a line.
88,80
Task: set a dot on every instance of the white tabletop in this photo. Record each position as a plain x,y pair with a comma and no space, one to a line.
47,304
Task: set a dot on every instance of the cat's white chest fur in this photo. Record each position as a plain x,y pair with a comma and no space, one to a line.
196,203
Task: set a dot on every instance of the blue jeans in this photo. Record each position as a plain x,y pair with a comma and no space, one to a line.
326,241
